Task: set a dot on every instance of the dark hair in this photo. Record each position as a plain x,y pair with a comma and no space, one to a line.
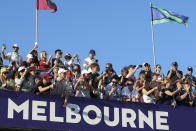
58,50
79,68
115,77
110,64
94,65
125,69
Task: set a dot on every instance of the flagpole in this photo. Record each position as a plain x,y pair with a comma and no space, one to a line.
153,36
36,24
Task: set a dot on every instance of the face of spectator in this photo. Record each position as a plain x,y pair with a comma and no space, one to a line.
21,72
29,60
114,81
175,67
110,73
15,49
168,84
58,55
32,73
95,69
189,72
108,66
35,54
55,70
155,77
124,73
45,80
75,70
37,80
91,56
178,84
62,75
130,85
44,55
158,68
142,77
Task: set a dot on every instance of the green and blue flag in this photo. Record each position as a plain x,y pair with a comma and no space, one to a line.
160,15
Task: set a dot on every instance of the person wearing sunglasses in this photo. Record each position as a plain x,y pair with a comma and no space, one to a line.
130,94
6,83
158,72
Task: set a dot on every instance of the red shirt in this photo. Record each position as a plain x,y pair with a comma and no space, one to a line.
42,65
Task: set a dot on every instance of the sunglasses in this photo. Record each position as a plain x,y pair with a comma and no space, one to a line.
130,84
5,73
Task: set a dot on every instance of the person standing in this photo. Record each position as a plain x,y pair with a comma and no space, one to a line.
13,57
89,61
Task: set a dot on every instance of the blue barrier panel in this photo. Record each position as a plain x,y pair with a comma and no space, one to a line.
27,110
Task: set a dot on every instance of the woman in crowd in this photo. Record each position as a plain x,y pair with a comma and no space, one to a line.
158,72
6,83
43,62
140,84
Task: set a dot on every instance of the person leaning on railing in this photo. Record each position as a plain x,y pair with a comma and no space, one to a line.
6,82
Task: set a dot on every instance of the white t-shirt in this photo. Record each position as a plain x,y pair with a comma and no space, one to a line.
14,57
69,64
86,62
129,94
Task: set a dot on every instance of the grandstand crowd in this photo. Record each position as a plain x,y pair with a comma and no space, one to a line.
43,74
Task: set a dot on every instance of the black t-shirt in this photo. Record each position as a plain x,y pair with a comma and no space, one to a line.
148,75
184,102
60,63
191,78
165,99
174,77
95,83
36,90
123,83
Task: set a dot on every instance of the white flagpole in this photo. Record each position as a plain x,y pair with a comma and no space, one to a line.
153,36
36,30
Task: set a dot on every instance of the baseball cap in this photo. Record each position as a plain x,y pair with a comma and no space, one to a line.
46,75
30,56
175,63
15,45
146,64
61,70
92,52
21,68
3,70
85,72
190,68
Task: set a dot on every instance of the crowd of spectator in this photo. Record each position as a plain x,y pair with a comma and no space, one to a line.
55,76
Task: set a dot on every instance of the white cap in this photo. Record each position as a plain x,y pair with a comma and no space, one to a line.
30,56
85,72
61,70
15,45
21,68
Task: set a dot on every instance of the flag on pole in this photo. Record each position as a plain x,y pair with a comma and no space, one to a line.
46,5
160,15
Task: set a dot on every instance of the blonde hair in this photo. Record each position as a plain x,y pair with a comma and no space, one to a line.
42,55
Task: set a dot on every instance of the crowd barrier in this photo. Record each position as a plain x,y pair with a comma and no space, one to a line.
27,110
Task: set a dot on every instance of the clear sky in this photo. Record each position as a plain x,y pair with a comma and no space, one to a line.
119,30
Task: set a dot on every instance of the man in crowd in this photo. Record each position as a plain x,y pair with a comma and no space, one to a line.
130,94
174,74
57,60
147,71
89,60
14,56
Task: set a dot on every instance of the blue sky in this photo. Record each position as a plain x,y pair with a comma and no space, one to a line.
119,30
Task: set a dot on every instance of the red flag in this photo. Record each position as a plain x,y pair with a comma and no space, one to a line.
46,5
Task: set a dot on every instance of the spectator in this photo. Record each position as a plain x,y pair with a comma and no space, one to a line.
76,73
191,78
89,60
35,60
69,61
113,90
6,83
148,93
14,56
102,88
45,85
29,61
185,96
109,74
174,74
20,77
132,69
82,87
130,94
57,60
123,77
29,81
140,84
147,71
158,72
94,80
43,62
